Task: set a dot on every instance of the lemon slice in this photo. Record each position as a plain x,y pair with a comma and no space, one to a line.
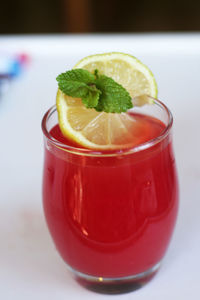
101,130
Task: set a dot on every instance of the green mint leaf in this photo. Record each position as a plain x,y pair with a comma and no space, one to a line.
96,73
77,75
114,97
96,91
73,88
79,83
91,99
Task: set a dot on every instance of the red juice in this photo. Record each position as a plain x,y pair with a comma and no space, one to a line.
112,216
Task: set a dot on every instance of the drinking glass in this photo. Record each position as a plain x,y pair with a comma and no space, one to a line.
111,215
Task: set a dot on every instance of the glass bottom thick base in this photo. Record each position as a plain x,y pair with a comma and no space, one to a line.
115,285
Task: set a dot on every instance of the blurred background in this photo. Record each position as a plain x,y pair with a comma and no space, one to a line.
90,16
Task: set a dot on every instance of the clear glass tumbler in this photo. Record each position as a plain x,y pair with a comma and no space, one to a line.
111,215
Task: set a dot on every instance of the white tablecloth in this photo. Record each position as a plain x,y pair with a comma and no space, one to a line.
30,267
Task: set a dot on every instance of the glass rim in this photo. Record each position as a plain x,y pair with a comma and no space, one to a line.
100,153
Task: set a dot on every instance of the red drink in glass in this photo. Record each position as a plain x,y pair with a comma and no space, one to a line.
111,214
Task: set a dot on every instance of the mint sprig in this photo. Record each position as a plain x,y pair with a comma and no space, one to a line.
96,91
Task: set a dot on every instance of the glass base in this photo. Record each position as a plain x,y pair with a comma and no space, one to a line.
115,285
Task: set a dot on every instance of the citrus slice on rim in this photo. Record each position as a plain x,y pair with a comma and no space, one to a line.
101,130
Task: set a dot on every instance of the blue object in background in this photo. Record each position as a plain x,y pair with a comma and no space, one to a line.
11,66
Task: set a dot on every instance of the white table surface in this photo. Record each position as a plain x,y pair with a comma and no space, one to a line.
30,267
